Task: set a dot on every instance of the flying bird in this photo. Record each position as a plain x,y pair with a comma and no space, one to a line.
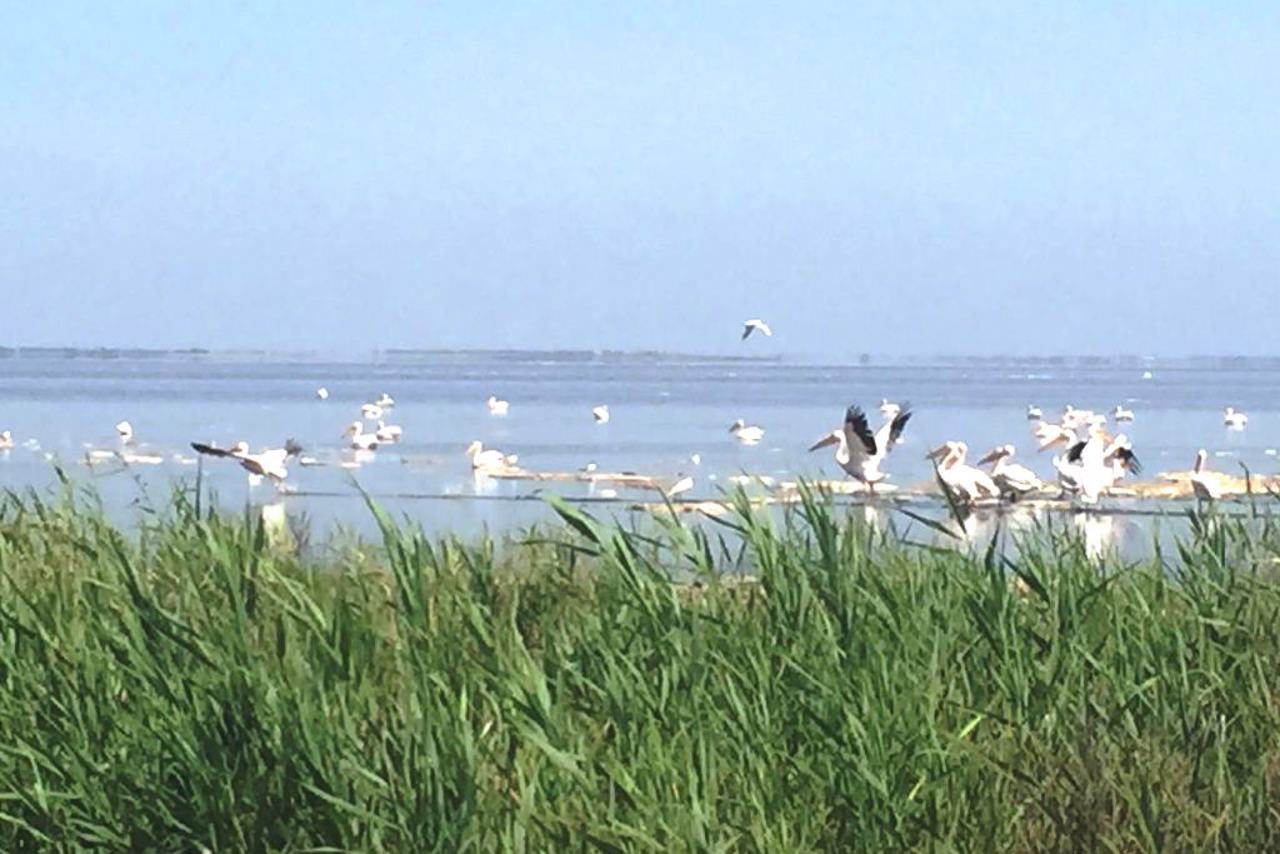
754,325
272,463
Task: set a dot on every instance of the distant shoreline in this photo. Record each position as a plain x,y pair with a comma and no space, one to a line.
573,356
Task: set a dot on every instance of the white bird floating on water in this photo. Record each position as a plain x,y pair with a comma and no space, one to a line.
1013,479
1034,413
272,463
1204,483
125,431
482,459
966,482
1121,414
600,414
747,435
755,324
1234,420
496,406
358,440
371,411
6,440
385,400
388,434
322,393
859,452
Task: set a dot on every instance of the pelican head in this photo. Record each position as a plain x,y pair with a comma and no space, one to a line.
474,448
737,425
241,447
354,429
125,430
1202,457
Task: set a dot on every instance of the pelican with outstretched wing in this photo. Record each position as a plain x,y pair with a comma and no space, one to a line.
860,452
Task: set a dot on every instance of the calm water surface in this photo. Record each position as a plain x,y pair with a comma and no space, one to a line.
664,408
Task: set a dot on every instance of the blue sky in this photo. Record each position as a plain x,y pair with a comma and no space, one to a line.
894,178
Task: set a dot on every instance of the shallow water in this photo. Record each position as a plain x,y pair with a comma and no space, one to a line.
664,409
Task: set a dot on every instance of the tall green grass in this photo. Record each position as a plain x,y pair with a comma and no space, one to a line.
196,684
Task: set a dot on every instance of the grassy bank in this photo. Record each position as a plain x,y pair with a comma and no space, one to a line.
192,685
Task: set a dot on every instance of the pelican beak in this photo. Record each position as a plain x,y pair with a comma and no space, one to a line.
992,457
938,452
825,441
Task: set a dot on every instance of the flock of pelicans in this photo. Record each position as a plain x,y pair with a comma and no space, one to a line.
1091,460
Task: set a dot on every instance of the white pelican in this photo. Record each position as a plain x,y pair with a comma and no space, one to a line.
371,411
600,414
482,459
1075,419
6,440
1053,435
385,400
1012,478
388,434
1204,483
754,325
496,406
322,393
965,481
358,440
1234,420
1094,464
1034,413
860,453
125,431
1121,414
746,435
272,463
888,409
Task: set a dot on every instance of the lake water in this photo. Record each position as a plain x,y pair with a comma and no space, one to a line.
665,408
